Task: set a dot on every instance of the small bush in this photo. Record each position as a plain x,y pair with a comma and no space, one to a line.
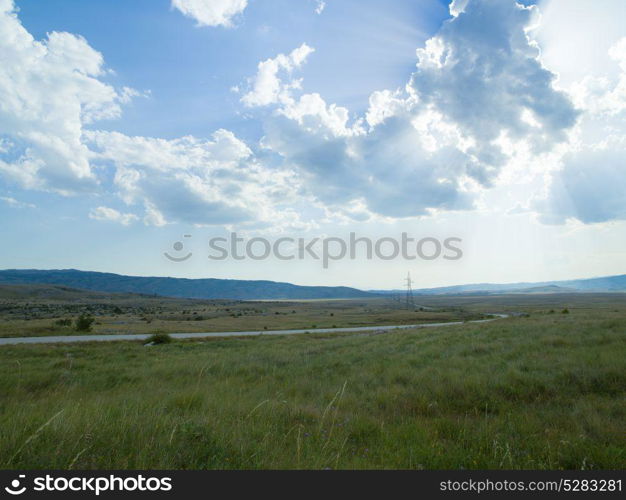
158,338
565,311
83,323
63,322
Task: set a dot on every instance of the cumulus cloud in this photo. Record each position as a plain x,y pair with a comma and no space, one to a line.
482,73
268,86
112,215
478,85
478,92
50,89
211,12
198,181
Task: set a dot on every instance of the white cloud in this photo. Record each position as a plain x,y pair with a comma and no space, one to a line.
112,215
575,37
50,89
319,8
153,217
211,12
482,73
384,104
478,98
478,86
12,202
591,181
267,86
590,187
584,42
193,180
457,6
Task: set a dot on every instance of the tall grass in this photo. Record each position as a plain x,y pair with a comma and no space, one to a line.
540,392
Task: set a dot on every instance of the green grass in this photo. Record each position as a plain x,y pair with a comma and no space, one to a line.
545,391
20,319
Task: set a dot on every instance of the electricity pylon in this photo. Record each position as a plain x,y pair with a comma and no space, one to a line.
409,292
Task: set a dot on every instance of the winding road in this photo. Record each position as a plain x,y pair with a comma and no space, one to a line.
108,338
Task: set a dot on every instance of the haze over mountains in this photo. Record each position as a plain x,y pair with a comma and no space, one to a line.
210,288
604,284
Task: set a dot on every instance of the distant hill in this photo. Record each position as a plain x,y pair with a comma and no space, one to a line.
44,293
605,284
209,288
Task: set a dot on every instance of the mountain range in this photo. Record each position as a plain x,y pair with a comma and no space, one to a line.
604,284
208,288
211,288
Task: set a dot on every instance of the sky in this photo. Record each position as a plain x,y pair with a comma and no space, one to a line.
134,131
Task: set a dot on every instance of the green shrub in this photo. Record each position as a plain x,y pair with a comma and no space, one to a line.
63,322
83,323
159,338
565,311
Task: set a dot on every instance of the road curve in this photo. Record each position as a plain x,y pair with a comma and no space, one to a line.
140,336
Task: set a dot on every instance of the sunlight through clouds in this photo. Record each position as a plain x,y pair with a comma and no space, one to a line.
500,112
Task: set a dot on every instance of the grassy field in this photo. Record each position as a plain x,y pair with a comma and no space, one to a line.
35,310
545,390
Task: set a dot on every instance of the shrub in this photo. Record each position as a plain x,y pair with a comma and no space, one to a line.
158,338
83,323
63,322
565,311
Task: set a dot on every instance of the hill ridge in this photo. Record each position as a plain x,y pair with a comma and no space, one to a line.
196,288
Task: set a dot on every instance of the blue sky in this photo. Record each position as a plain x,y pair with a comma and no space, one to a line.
124,126
152,46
